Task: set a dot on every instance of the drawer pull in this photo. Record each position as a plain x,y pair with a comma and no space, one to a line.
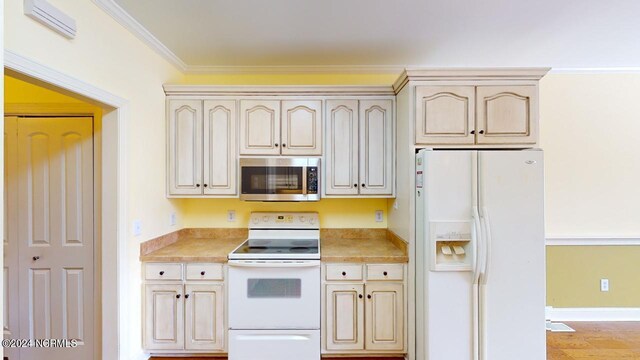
161,273
344,273
384,273
202,273
178,296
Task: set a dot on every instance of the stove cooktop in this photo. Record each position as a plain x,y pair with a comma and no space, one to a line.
267,249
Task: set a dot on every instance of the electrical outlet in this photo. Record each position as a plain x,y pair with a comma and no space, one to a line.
137,227
172,219
231,215
604,284
395,204
379,215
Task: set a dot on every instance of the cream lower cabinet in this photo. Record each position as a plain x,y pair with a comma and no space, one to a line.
360,148
183,317
364,313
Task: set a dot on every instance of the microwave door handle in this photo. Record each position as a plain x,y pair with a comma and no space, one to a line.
304,180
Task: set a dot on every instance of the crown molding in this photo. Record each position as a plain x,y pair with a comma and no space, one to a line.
242,90
131,24
296,69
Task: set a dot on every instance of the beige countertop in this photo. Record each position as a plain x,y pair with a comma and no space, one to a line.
335,246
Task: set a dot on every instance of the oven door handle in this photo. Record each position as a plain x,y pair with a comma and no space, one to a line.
274,264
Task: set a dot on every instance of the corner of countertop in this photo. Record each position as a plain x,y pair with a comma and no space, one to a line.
161,241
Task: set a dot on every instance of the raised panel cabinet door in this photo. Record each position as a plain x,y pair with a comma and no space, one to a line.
507,114
204,322
185,147
220,163
384,316
259,127
344,317
341,148
163,317
445,115
376,147
302,127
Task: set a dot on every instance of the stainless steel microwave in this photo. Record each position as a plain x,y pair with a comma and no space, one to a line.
280,179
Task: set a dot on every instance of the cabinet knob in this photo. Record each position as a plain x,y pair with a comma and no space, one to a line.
473,132
205,185
384,273
362,185
36,258
369,296
202,273
197,185
481,131
161,273
344,273
284,145
355,185
276,144
186,296
360,296
178,296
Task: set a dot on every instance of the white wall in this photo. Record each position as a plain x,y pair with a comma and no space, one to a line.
108,57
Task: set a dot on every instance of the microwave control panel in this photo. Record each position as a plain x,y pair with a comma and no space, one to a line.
312,180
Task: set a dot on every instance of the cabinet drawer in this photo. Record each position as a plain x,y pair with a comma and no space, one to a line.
344,272
204,272
163,271
385,272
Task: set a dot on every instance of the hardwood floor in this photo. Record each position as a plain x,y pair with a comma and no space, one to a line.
591,341
596,341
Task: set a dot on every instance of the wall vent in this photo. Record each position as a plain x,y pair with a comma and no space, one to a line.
50,16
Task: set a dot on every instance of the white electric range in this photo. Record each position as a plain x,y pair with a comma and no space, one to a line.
274,289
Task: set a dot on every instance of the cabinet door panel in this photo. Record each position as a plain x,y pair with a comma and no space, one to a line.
163,317
376,147
384,317
507,114
220,169
345,317
204,323
259,127
302,127
185,147
341,155
445,114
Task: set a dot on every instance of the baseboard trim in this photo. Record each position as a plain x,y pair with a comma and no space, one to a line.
594,314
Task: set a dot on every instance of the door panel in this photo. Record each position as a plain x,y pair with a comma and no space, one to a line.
376,147
259,127
445,114
384,316
55,229
341,155
512,203
204,322
302,127
220,163
185,147
507,114
345,317
164,317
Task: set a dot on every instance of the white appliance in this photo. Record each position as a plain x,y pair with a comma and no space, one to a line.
274,289
480,255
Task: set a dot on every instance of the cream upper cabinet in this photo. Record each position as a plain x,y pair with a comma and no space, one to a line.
345,317
259,127
301,127
445,114
204,314
341,150
163,317
376,147
185,147
384,317
220,154
507,114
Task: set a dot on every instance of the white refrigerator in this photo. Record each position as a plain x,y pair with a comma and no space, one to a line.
480,255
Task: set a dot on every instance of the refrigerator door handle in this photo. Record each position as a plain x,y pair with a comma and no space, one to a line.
477,239
487,251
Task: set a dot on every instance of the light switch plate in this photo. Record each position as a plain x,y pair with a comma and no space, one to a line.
172,219
137,227
231,216
604,285
379,215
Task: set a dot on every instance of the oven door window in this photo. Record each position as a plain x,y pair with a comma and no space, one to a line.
272,180
274,288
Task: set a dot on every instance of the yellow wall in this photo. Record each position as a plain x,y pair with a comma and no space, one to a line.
20,92
334,213
590,126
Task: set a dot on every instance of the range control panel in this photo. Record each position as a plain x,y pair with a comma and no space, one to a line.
284,220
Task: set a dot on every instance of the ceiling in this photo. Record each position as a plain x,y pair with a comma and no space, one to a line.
557,33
